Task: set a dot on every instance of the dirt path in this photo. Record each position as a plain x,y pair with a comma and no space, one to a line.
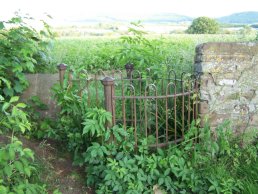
56,167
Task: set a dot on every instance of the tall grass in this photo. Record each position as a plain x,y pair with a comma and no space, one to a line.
102,52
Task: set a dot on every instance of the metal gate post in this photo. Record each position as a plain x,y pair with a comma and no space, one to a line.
62,68
108,83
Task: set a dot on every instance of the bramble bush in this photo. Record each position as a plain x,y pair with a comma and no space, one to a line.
23,49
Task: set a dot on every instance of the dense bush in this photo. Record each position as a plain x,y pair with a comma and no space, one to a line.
17,169
23,49
217,166
203,25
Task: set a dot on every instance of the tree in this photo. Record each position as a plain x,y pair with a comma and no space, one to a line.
203,25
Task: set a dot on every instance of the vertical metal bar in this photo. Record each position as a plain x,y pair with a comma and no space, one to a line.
157,120
62,68
96,89
88,92
135,118
123,103
167,113
70,78
140,102
145,112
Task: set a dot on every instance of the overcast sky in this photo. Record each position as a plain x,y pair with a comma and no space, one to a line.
129,9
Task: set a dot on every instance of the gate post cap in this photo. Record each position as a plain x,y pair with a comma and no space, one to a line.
107,81
62,66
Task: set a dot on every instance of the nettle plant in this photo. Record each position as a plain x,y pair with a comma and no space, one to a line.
23,49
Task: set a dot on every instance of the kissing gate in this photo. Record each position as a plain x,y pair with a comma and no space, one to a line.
160,108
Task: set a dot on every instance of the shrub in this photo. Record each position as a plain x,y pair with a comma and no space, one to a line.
23,49
17,171
208,166
203,25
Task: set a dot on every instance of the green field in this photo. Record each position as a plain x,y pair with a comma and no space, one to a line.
104,52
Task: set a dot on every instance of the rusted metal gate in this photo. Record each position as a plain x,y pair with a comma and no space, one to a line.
158,108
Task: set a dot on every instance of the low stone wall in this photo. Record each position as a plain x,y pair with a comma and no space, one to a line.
40,85
229,83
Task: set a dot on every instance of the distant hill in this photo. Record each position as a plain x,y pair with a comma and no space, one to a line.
240,18
156,18
236,18
167,17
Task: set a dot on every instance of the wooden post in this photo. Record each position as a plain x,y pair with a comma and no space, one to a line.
108,83
62,68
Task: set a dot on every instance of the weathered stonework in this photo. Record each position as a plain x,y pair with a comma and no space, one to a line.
40,85
228,83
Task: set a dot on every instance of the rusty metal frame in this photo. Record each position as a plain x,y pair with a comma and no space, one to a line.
140,99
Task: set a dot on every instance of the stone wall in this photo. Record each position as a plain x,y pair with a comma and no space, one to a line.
229,83
40,85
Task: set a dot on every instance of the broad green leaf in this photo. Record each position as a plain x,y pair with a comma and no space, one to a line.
27,171
18,87
21,105
14,99
28,152
7,82
8,170
5,106
30,66
8,91
19,166
3,189
11,154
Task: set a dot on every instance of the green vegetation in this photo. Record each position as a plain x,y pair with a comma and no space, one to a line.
102,53
217,166
22,49
221,165
203,25
199,164
17,169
